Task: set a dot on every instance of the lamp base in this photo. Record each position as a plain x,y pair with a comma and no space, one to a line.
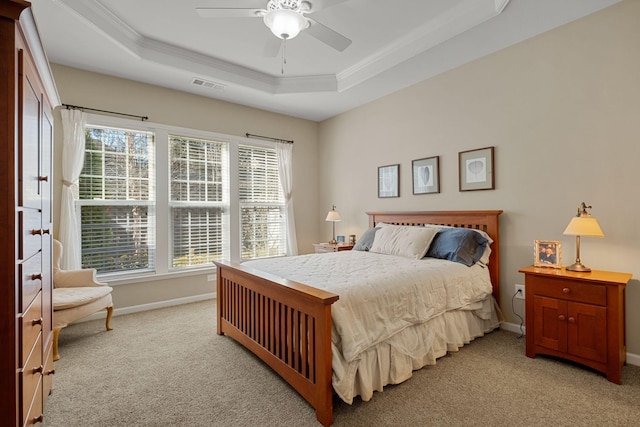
578,266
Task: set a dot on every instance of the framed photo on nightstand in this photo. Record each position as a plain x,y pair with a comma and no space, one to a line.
547,253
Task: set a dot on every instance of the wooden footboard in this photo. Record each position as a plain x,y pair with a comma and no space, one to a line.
284,323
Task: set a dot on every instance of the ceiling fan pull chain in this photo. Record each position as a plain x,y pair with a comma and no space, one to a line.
284,53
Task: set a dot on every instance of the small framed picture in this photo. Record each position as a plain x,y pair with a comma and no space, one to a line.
475,169
388,181
426,175
547,253
340,239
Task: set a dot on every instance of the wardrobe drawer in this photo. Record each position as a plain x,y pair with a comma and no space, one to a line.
49,371
30,225
30,280
31,379
31,327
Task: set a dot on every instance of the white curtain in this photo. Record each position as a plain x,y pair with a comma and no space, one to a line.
285,171
73,123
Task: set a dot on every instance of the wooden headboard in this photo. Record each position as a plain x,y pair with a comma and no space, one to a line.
486,221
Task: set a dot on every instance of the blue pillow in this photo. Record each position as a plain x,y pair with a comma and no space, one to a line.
366,241
458,244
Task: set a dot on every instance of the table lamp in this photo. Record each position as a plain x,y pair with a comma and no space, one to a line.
334,217
582,224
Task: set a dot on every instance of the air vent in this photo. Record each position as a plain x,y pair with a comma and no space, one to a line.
208,84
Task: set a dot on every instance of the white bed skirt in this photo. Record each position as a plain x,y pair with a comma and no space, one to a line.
394,360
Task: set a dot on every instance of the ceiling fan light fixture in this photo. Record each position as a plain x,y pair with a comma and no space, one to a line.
285,23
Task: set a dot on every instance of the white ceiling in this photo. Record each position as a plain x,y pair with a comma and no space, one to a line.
394,44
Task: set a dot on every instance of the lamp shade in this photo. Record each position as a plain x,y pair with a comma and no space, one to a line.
583,226
333,215
285,23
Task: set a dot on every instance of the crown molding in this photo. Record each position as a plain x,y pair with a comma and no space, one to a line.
443,27
32,36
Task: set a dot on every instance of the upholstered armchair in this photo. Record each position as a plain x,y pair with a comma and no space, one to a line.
76,294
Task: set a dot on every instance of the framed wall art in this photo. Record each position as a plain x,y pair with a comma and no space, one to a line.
475,169
426,175
547,253
388,181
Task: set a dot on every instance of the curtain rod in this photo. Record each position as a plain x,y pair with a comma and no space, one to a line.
287,141
77,107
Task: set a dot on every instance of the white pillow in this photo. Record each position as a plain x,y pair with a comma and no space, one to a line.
401,240
484,259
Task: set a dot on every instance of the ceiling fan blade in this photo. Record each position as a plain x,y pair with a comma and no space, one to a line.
272,47
316,5
214,12
327,35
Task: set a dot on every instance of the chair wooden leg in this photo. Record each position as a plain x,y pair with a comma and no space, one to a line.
56,332
109,314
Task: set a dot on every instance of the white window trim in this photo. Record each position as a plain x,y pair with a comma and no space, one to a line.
162,132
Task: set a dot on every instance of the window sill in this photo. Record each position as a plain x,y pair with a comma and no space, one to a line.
129,279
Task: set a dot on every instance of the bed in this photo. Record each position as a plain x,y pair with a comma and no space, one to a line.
289,324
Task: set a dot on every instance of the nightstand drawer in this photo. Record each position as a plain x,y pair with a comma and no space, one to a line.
571,291
323,248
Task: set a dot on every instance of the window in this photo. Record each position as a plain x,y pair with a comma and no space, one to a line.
116,200
262,205
198,200
173,199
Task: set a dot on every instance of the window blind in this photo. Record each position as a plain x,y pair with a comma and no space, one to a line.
262,205
198,200
116,198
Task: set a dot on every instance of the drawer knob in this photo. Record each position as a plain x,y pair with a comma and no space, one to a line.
37,321
561,317
50,372
566,290
43,178
38,370
38,419
572,320
39,232
36,276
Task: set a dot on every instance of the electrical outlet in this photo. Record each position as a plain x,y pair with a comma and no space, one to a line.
520,295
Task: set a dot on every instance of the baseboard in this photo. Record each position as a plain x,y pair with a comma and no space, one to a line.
151,306
513,327
632,359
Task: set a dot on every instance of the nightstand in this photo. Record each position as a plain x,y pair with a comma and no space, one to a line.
577,316
323,248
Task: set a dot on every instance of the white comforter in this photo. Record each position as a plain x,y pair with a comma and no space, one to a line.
381,295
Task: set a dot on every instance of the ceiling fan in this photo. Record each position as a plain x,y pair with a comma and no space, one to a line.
285,18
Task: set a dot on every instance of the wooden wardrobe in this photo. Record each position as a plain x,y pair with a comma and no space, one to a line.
27,97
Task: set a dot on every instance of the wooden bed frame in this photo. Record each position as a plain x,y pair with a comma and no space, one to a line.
288,324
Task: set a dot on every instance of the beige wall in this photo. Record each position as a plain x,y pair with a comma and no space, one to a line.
561,109
175,108
563,113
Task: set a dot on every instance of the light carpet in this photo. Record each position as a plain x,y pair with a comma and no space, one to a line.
168,367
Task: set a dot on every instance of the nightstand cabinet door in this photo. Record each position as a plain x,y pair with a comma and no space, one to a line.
587,331
550,328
